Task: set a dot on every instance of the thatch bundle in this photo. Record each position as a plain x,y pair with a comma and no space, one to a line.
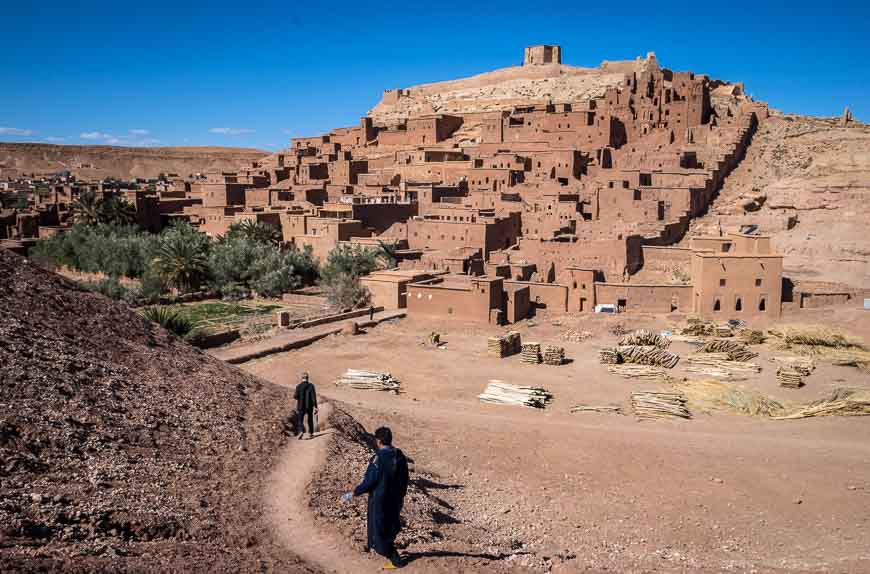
803,365
574,336
501,393
752,336
645,337
715,394
369,381
815,336
722,362
735,350
844,357
789,378
648,355
643,372
843,402
504,346
655,405
608,356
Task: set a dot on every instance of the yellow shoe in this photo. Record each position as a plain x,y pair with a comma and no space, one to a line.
389,566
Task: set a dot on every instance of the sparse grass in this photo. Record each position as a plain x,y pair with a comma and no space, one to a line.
717,395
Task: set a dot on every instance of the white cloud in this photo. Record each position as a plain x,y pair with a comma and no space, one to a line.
95,136
139,132
287,132
231,131
15,132
54,139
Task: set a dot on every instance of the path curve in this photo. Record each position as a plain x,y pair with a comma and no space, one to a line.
286,504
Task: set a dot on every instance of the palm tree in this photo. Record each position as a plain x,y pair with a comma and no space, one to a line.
86,208
118,211
388,253
180,262
255,231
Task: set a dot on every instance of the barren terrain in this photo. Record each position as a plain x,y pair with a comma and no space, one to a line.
100,161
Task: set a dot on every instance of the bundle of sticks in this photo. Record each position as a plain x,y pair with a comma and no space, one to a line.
645,337
789,378
723,331
597,409
531,353
554,355
644,372
369,381
656,405
575,336
752,336
735,350
500,393
648,355
802,365
721,362
608,356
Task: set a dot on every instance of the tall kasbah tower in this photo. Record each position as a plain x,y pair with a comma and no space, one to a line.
543,54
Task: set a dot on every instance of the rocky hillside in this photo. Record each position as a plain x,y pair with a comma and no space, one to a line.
502,89
122,448
806,182
98,161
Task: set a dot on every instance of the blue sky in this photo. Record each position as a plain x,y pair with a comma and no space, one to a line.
255,74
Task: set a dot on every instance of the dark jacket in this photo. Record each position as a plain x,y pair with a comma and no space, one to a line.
306,397
386,483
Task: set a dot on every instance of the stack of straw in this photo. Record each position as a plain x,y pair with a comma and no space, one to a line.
752,336
369,381
843,402
501,393
504,346
531,353
721,361
789,378
608,356
803,365
652,405
645,337
575,336
723,331
736,351
648,355
554,355
723,396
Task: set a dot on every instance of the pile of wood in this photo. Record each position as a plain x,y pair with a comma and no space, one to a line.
656,405
723,331
643,372
789,378
369,381
531,353
504,346
575,336
802,365
735,350
752,336
718,365
554,355
843,402
608,356
500,393
645,337
597,409
648,355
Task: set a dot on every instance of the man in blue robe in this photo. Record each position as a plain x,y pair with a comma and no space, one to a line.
386,483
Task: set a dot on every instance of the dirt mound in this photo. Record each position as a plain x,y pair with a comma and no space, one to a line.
122,448
99,161
805,181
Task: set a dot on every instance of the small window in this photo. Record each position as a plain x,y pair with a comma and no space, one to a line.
726,247
738,306
758,282
717,306
762,305
722,282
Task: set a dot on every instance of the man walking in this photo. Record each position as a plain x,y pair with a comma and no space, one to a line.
306,404
386,483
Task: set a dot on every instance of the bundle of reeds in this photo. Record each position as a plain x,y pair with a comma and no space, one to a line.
843,402
554,355
645,337
617,410
735,350
658,405
844,357
816,336
503,346
648,355
697,328
531,353
500,393
369,381
789,378
608,356
643,372
575,336
713,394
721,361
752,336
723,331
803,365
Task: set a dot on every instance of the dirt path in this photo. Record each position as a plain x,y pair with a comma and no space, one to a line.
286,502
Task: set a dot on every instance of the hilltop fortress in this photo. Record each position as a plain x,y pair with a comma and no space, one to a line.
540,185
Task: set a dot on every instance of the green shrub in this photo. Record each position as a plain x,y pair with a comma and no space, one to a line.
350,260
345,291
170,320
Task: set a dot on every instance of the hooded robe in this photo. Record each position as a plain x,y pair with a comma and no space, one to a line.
386,482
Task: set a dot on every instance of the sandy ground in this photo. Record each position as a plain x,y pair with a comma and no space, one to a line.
721,492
